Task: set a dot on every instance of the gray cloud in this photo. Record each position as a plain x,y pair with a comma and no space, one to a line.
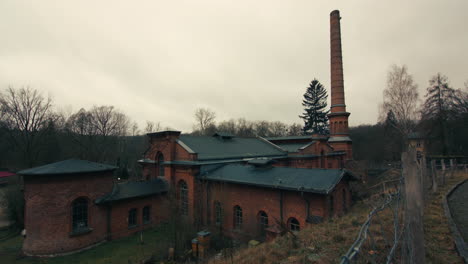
160,60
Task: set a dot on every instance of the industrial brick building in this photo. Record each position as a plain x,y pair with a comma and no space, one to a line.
243,187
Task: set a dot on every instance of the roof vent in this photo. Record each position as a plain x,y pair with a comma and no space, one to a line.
223,135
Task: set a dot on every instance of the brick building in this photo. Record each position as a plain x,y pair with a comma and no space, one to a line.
244,187
75,204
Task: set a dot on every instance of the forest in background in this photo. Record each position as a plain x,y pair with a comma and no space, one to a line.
33,132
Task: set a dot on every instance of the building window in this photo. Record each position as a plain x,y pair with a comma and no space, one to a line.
262,221
132,217
237,217
80,215
218,209
294,224
160,164
146,215
183,197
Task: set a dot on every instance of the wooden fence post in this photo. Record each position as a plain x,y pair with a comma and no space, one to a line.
434,176
424,178
414,207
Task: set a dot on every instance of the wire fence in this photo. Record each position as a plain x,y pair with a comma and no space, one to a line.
388,234
379,238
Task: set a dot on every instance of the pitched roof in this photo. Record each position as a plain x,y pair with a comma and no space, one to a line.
209,148
294,147
320,181
289,138
133,189
68,167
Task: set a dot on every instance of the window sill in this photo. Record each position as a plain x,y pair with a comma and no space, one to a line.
82,231
132,226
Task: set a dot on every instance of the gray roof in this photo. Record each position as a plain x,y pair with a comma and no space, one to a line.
133,189
289,138
210,148
320,181
294,147
68,167
339,139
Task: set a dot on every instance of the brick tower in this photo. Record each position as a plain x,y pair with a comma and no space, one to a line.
339,132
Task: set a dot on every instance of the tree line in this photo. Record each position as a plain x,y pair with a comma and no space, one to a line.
32,132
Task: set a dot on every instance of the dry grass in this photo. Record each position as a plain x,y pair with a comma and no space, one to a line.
440,247
327,242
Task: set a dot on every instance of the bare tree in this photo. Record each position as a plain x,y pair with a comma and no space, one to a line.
26,114
135,130
262,128
401,98
278,129
204,118
109,122
295,129
228,126
152,126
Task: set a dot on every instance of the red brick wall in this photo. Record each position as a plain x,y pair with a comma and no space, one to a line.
119,214
48,215
337,193
252,200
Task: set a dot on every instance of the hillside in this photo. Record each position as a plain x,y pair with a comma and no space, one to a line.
329,241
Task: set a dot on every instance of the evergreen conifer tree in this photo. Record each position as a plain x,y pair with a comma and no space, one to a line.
315,103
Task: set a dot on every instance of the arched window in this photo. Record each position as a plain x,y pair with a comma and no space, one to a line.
262,221
160,165
293,224
218,209
132,217
146,215
80,214
183,197
237,217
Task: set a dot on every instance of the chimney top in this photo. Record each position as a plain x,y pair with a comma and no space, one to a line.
335,13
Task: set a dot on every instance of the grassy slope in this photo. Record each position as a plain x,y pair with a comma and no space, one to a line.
327,242
126,250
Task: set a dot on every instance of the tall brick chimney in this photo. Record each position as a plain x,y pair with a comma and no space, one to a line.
338,117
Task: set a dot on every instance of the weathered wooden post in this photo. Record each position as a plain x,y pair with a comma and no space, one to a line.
452,168
434,176
423,177
442,163
414,207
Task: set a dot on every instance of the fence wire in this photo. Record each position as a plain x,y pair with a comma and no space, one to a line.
376,242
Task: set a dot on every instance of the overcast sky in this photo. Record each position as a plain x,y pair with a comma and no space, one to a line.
160,60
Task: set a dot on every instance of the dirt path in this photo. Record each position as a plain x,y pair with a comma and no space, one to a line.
458,203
